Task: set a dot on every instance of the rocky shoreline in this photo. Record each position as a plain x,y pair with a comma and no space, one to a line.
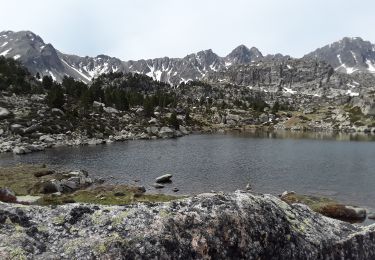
47,214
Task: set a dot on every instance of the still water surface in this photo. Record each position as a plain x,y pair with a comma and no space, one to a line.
334,166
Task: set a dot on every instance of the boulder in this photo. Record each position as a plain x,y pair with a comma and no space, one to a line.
232,117
164,178
97,104
166,132
95,141
208,226
46,139
57,112
153,121
111,110
16,128
8,196
183,130
20,150
152,130
4,113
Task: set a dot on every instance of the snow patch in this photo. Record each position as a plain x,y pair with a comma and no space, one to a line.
80,73
371,66
16,57
4,53
158,75
355,58
53,76
289,67
289,90
5,43
212,67
339,57
352,94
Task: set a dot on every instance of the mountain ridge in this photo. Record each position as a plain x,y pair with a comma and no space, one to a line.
348,55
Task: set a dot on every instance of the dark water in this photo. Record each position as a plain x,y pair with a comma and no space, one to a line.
317,164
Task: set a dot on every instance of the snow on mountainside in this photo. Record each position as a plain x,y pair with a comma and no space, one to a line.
348,55
40,57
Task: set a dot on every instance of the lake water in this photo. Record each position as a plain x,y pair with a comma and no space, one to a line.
322,164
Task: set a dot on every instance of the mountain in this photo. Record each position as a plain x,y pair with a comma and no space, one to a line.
348,55
243,55
38,56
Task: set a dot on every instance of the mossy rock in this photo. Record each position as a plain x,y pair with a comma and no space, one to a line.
106,195
325,206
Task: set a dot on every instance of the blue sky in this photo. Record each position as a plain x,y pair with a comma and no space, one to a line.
135,29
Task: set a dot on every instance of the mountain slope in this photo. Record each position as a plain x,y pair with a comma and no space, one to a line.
348,55
40,57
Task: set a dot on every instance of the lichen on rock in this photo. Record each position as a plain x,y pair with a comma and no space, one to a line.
238,225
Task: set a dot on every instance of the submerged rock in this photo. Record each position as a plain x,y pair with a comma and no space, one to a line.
158,186
208,226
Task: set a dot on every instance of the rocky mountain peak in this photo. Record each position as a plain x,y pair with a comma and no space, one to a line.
243,55
349,55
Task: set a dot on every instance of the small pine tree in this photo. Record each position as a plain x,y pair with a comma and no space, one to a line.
275,107
173,121
47,82
55,97
148,108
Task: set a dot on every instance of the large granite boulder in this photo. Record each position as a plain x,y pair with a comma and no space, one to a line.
209,226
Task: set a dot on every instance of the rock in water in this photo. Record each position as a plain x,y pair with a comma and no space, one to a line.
164,178
208,226
158,186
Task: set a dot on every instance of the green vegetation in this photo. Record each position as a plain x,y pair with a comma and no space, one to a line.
23,179
15,78
28,179
324,206
106,195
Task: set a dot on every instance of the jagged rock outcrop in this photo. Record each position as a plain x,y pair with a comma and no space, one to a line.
208,226
348,55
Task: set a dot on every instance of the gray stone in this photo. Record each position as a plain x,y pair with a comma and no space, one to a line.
7,195
16,128
20,150
158,186
241,226
111,110
358,213
166,132
57,111
4,113
46,139
164,178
